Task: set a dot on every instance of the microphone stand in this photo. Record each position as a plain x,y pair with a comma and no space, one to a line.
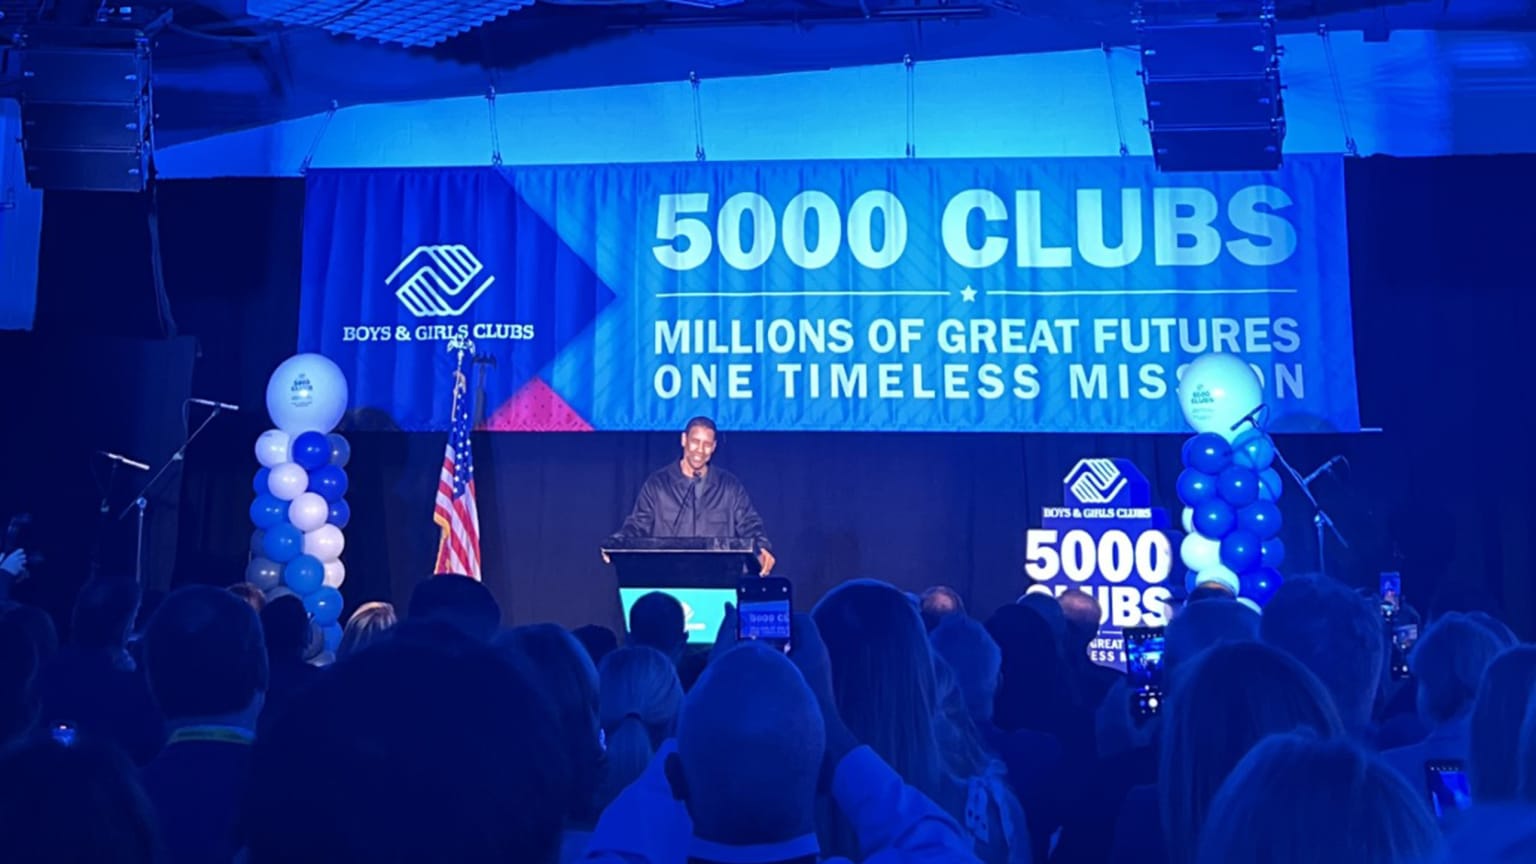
1320,518
141,501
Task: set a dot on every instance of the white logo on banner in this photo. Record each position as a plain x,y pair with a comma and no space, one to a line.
1096,481
439,281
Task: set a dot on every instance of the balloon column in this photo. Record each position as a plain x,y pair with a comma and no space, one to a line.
300,508
1229,490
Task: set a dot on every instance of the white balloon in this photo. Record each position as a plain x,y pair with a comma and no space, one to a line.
307,393
335,574
1219,575
288,481
1198,552
272,447
309,511
1217,391
325,543
1189,520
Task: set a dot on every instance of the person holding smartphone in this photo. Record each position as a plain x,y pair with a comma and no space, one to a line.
692,498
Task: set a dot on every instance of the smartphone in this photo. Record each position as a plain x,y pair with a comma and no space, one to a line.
1391,594
1402,642
1144,670
1448,786
763,610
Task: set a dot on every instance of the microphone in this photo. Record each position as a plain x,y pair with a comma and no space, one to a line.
123,460
1323,469
1250,417
223,406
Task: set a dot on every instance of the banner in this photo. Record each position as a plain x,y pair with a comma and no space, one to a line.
1108,540
987,295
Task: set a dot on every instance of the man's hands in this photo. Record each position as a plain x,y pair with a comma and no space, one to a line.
766,559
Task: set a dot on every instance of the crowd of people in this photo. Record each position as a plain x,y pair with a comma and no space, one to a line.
896,728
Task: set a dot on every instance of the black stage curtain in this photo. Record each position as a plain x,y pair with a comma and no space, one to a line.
1442,306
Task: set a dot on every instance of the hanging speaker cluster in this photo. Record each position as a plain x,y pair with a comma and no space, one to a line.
1211,72
87,111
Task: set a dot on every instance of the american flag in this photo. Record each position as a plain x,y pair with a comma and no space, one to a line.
455,513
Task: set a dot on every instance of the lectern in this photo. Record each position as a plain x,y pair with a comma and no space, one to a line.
701,572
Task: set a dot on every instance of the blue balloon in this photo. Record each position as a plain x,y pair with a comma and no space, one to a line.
1261,518
259,483
1253,449
1208,453
311,450
304,574
1240,551
1238,486
1272,551
1196,486
1261,584
341,513
324,606
267,510
1213,518
329,481
341,451
332,637
283,542
1270,486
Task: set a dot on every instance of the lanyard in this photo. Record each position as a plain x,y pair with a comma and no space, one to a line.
222,734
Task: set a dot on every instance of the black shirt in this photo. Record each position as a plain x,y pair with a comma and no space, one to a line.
672,504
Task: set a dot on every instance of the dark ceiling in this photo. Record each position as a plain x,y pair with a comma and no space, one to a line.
219,69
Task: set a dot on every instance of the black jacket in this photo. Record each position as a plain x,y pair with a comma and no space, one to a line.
672,504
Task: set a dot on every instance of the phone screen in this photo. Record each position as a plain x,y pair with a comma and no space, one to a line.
1144,669
763,610
1449,789
1391,594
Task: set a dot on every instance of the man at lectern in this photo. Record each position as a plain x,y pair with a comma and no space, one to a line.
691,498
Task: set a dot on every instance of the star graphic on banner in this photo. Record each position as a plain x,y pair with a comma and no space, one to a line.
968,294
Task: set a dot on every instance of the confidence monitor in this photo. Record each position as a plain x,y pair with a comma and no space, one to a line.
701,572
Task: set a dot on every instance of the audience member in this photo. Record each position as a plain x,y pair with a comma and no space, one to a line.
18,682
599,641
411,753
1494,834
656,620
1224,702
367,626
752,741
1448,663
640,696
1090,680
285,628
938,603
38,625
1298,799
93,683
249,593
1049,609
1500,630
456,601
994,819
75,803
1208,591
1494,731
558,664
1337,634
1034,760
1034,691
206,659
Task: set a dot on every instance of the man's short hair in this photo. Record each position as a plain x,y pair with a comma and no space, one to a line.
459,601
657,620
1335,632
204,654
1448,663
250,594
701,421
937,603
1205,625
285,626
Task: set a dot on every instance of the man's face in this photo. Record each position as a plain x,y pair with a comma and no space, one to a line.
698,446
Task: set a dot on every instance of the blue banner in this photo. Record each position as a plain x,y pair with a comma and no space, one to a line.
987,295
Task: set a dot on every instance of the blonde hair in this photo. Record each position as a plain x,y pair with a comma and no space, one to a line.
366,626
639,697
